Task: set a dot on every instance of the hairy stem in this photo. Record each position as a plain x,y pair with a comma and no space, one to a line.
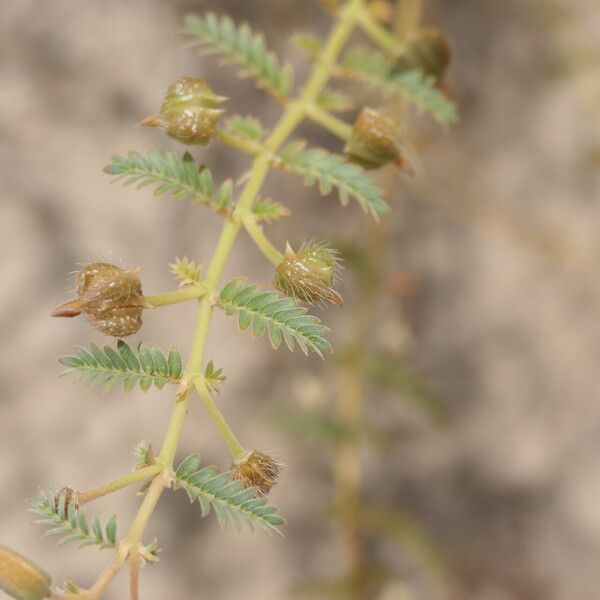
134,576
335,125
118,484
383,37
244,145
237,450
190,292
260,239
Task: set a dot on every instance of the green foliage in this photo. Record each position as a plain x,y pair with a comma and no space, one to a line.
335,101
69,521
107,366
278,316
144,453
308,42
245,128
186,270
239,45
267,210
229,499
181,178
330,171
377,72
213,377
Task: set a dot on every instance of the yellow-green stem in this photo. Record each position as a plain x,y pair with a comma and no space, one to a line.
334,124
262,241
118,484
191,292
237,450
384,38
136,531
247,146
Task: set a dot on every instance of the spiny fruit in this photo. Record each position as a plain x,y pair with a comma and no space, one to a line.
374,142
189,112
427,50
310,274
257,470
110,297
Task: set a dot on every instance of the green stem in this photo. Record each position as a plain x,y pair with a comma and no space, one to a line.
335,125
260,239
237,450
136,531
251,147
384,38
189,292
118,484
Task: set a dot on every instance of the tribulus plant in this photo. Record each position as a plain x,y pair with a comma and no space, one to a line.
112,299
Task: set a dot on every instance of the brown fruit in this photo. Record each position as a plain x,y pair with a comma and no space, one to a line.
110,297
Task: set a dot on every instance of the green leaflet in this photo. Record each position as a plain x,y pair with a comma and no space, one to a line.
267,210
179,177
373,69
231,502
241,46
70,522
335,101
329,171
277,315
186,270
107,367
246,128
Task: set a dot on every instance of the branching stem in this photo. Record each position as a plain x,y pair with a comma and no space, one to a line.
244,145
237,450
190,292
260,239
334,124
118,484
384,38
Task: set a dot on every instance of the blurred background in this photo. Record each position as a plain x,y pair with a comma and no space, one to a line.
478,352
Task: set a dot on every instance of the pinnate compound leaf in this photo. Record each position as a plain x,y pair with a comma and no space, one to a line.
179,177
377,72
65,518
277,315
329,171
241,46
231,502
107,367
